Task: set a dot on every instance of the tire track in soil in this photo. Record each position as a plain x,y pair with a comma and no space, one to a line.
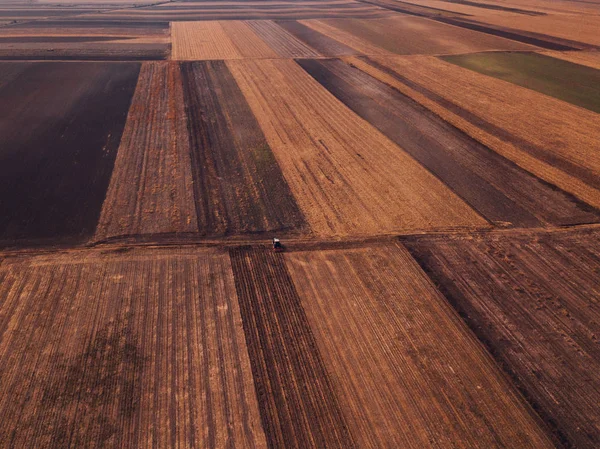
297,400
496,187
238,185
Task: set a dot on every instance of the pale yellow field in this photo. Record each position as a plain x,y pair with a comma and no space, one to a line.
346,176
201,41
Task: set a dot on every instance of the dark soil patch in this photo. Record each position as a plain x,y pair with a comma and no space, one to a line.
60,130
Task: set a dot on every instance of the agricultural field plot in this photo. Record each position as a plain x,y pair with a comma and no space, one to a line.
586,58
410,35
22,12
241,10
151,189
238,185
407,371
80,41
127,350
533,299
580,28
533,130
574,83
494,186
347,178
282,42
60,127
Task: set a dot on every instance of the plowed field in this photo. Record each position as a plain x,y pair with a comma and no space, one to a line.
151,189
201,40
60,127
125,350
282,42
533,298
533,130
587,58
238,185
346,176
494,186
297,400
409,373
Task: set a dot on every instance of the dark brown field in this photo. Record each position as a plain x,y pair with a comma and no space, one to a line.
533,299
60,127
238,185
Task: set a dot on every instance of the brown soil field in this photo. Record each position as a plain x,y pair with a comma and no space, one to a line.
200,41
533,299
325,45
497,188
408,372
238,185
282,42
151,189
297,401
587,58
127,350
418,35
60,128
346,176
533,130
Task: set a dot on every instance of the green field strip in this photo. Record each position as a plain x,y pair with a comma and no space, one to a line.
574,83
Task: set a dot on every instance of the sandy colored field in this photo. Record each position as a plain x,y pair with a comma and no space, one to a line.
346,176
200,41
479,8
587,58
533,130
408,371
132,350
533,298
418,35
282,42
151,189
248,44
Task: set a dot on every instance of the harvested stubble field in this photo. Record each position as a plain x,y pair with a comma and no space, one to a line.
346,176
151,189
60,127
138,306
126,350
533,299
407,371
533,130
497,188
